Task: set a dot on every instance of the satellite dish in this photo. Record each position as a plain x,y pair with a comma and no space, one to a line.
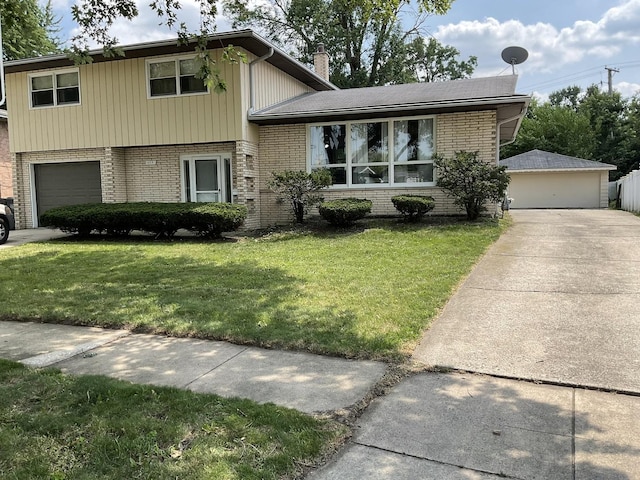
514,56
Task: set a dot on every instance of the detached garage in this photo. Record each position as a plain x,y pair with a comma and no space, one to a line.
549,180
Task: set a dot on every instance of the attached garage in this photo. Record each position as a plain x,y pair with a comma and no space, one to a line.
549,180
59,184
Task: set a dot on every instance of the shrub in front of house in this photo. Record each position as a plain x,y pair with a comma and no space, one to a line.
160,219
344,212
413,207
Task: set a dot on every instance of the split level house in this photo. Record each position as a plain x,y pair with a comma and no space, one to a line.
143,127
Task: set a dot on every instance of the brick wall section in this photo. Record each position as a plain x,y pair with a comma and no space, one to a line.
144,174
469,131
113,174
6,176
22,163
283,147
246,177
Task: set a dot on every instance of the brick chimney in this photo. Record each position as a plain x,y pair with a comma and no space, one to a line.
321,62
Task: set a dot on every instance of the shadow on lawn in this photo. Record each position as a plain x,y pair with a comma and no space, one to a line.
177,295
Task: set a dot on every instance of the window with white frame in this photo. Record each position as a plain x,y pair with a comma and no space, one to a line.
175,76
380,152
54,89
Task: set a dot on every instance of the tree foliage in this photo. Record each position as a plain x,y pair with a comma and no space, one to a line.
27,29
95,19
300,189
363,38
589,124
435,62
556,129
471,181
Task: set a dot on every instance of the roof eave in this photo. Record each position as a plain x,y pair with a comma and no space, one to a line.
561,170
247,39
301,117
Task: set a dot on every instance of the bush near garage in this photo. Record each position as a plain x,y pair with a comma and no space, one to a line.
160,219
344,212
413,207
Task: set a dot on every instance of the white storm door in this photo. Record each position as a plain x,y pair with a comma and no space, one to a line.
206,180
201,179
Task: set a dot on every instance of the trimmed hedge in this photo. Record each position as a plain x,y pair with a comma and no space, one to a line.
413,207
161,219
343,212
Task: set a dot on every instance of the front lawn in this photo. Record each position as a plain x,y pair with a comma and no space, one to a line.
57,427
363,294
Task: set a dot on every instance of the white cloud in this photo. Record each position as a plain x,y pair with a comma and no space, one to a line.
550,48
627,89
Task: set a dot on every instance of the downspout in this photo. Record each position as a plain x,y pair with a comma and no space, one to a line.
3,96
252,90
499,126
519,118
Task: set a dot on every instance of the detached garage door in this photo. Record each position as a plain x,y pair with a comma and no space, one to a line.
59,184
555,190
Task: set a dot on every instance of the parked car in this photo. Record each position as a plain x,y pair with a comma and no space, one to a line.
7,222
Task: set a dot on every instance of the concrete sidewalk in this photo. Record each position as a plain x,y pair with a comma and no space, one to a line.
467,426
306,382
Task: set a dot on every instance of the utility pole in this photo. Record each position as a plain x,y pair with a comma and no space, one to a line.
610,72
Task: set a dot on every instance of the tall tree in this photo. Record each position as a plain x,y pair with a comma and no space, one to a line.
608,120
566,97
556,129
435,62
361,36
28,30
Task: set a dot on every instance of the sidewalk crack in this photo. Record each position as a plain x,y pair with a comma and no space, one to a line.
217,366
440,462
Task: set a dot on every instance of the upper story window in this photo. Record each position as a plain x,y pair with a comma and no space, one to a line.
176,76
385,152
54,89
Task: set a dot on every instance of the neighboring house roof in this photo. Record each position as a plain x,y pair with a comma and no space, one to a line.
539,160
406,99
247,39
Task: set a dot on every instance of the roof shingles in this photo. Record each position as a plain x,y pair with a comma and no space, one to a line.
541,160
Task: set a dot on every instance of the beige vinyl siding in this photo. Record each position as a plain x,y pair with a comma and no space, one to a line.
115,111
274,86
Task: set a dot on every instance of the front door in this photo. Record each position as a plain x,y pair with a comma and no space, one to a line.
206,178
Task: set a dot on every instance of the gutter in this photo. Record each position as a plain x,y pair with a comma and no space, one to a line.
392,108
252,89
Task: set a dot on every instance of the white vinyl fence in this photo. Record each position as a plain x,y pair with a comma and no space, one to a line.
629,188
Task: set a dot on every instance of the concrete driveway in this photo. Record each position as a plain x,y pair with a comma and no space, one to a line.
555,299
28,235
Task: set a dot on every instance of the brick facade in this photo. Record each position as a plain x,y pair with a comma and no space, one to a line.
6,176
153,173
284,147
143,174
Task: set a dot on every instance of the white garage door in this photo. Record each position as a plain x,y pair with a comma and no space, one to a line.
555,190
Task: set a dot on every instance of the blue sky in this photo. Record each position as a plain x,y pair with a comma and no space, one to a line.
570,42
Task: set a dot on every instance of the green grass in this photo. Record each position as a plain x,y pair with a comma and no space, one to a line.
366,293
54,426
